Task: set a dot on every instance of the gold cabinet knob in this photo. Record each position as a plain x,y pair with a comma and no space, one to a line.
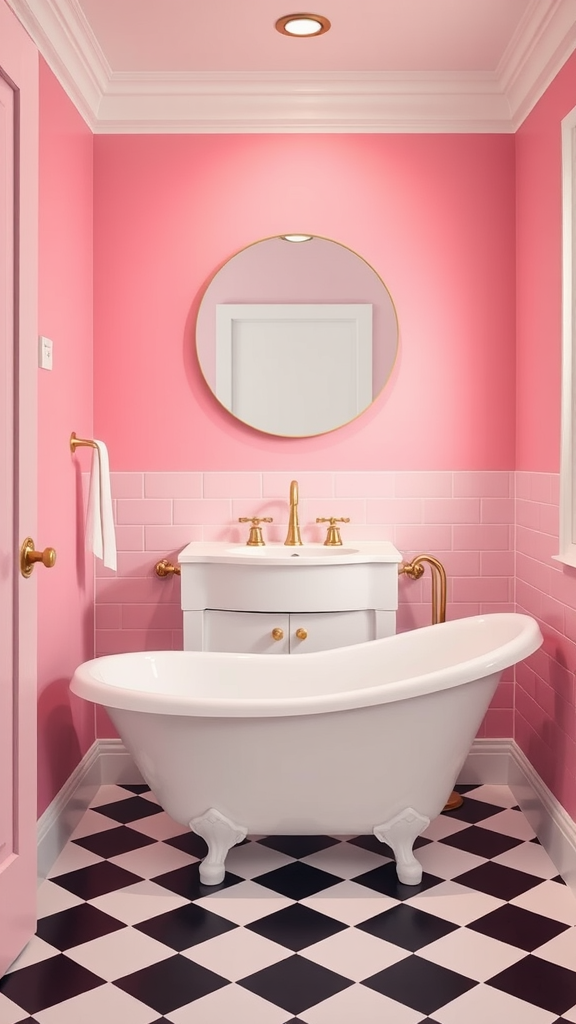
29,556
277,634
301,633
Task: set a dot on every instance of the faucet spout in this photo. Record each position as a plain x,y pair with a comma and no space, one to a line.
293,536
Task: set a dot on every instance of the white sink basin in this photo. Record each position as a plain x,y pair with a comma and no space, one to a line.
306,553
313,577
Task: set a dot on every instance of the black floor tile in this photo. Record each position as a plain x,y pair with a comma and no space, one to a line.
185,927
473,811
518,927
484,842
417,983
296,927
170,984
44,984
114,841
139,787
297,880
537,981
186,882
78,924
189,843
373,845
87,883
132,809
384,880
407,927
298,846
295,984
497,880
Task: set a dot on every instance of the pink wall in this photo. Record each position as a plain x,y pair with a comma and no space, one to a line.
545,718
65,593
434,216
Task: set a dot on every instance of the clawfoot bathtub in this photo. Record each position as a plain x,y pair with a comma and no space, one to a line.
368,738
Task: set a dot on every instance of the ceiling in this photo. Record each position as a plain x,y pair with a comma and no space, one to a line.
220,66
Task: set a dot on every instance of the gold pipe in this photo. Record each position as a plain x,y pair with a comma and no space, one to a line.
165,568
80,442
415,569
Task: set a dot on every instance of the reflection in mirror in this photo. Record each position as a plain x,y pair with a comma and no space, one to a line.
296,339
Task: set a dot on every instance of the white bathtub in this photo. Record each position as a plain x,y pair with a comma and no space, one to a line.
368,738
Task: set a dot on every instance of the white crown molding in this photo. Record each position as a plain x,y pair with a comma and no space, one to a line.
362,102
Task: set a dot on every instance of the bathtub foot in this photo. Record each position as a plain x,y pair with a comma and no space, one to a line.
221,835
399,833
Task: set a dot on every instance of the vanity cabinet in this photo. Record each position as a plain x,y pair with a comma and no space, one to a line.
263,601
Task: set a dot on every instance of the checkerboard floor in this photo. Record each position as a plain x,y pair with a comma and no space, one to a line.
311,929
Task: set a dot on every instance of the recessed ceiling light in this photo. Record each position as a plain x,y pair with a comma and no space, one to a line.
302,25
296,238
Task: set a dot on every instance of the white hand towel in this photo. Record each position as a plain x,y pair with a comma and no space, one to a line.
100,535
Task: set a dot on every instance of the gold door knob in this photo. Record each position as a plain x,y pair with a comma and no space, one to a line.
29,556
277,634
301,633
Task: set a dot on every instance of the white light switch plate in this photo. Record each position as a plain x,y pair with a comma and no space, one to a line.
44,353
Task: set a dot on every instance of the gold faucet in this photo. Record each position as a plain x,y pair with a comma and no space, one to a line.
293,536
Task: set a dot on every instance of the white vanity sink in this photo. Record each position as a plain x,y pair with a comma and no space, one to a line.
237,597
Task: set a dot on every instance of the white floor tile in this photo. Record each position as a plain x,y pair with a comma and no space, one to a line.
91,823
443,826
33,953
454,902
237,954
51,898
149,861
253,859
570,1015
510,823
551,899
355,954
530,857
482,1004
560,950
345,860
138,902
158,826
502,796
230,1004
363,1005
110,794
349,902
244,903
72,858
119,953
472,954
9,1012
106,1003
446,861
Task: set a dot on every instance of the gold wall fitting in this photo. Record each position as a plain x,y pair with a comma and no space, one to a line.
165,568
255,538
277,634
333,538
29,556
80,442
293,538
415,569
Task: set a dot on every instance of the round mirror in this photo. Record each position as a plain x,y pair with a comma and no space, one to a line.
296,338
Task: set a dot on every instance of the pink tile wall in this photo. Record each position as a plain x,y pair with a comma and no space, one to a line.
545,715
462,518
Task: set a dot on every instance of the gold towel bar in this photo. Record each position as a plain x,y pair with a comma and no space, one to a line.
80,442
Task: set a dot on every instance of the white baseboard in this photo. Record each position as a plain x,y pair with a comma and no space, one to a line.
107,761
490,762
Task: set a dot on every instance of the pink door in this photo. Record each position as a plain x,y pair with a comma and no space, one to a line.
18,368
